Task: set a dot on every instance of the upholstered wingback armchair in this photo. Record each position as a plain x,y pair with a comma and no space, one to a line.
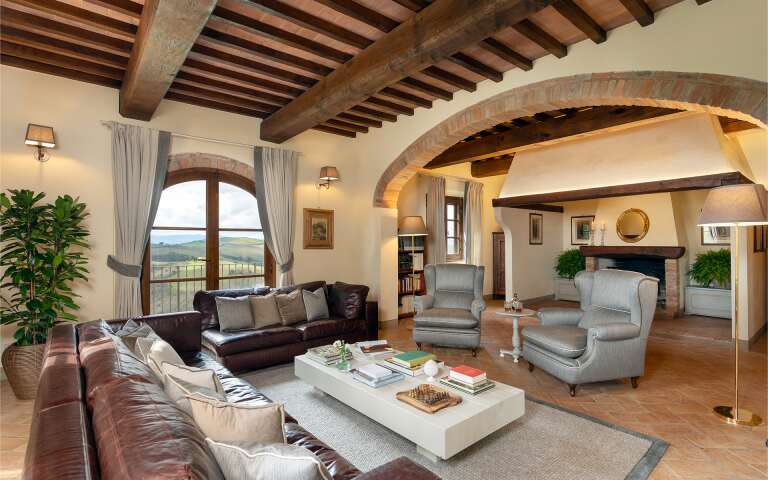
449,314
603,340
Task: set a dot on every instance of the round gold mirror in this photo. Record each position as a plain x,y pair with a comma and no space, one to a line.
632,225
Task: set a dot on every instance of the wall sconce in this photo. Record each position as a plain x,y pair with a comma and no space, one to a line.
41,137
327,175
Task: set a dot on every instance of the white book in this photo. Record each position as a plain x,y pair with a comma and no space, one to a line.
374,371
371,343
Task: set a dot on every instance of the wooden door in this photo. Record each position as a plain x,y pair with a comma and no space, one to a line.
498,265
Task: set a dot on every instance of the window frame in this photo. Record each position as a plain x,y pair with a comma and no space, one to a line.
458,203
212,178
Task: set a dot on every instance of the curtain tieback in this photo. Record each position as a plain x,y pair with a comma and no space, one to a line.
287,266
126,269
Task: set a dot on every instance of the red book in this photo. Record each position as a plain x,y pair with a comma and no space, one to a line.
467,374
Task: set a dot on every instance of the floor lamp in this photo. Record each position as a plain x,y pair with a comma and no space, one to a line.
735,206
412,227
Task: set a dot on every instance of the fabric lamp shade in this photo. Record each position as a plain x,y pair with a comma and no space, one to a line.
40,136
329,173
732,205
412,227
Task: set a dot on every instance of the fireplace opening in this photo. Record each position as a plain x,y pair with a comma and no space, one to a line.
653,267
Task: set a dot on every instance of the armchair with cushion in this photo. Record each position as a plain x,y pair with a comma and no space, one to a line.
603,340
449,314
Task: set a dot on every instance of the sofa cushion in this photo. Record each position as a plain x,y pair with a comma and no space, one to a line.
264,311
235,388
311,286
258,461
315,304
327,328
291,307
162,352
179,391
615,289
337,465
234,313
347,300
595,316
236,422
563,340
204,302
445,318
228,343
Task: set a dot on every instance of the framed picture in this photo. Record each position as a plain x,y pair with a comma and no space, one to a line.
759,237
318,228
580,227
535,229
715,235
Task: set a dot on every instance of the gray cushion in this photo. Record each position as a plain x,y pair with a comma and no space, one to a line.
264,311
291,307
315,304
600,316
456,277
615,289
566,341
234,313
446,299
132,330
446,318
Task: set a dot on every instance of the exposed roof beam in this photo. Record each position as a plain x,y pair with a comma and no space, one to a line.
359,120
580,19
209,83
415,5
393,107
640,10
373,114
352,127
334,130
361,13
477,67
167,31
546,41
80,15
491,167
590,120
216,96
428,37
202,102
701,2
505,53
227,73
63,61
427,88
126,7
449,78
49,69
406,97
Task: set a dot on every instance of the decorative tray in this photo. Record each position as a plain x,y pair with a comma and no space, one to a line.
428,398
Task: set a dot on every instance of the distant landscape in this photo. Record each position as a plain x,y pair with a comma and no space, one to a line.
189,248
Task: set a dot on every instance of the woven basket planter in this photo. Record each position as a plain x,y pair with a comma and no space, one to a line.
22,366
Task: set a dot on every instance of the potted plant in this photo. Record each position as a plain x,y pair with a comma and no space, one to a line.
42,254
568,264
710,293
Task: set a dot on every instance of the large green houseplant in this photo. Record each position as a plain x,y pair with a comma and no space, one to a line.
42,254
569,263
712,268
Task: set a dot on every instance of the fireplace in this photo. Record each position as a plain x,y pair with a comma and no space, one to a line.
651,266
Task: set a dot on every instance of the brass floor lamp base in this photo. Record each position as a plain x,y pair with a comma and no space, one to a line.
725,413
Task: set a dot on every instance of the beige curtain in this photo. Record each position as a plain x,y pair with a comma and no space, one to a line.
436,220
473,222
275,184
139,166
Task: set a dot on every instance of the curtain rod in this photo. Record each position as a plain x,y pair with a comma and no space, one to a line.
205,139
427,173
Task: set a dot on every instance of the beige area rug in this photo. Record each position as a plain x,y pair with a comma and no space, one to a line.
548,442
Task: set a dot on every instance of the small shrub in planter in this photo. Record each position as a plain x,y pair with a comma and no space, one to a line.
569,263
712,269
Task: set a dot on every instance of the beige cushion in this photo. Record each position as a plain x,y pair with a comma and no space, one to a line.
315,304
291,307
234,313
255,461
202,377
235,422
142,347
132,331
179,390
162,352
264,311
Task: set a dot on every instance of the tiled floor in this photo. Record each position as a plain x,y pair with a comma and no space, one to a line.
688,370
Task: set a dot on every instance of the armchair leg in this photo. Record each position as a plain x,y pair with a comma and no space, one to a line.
531,366
633,380
474,352
572,390
418,345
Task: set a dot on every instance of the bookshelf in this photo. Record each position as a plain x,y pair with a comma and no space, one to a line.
406,281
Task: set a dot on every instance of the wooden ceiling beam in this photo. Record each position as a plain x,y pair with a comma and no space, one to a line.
424,39
640,10
334,130
57,60
366,122
427,88
209,83
361,13
585,121
701,2
353,127
507,54
395,108
405,97
491,167
449,78
220,97
49,69
414,5
201,102
477,67
374,114
580,19
126,7
537,35
229,75
167,31
79,15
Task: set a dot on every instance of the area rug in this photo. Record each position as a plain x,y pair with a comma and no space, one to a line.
548,442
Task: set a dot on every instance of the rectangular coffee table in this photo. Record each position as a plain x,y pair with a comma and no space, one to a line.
438,435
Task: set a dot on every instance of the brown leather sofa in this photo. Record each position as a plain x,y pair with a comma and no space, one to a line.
101,413
352,319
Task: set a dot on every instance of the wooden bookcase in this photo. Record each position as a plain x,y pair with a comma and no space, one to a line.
404,259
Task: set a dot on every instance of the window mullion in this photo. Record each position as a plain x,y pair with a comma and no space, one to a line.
212,232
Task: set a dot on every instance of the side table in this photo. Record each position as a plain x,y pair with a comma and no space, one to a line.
515,352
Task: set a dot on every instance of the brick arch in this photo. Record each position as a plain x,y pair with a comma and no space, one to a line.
209,161
729,96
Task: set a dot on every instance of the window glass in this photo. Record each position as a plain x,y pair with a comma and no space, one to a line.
237,208
182,205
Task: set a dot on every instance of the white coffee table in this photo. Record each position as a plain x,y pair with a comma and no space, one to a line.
438,435
516,352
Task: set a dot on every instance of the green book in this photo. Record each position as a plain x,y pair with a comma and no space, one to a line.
412,359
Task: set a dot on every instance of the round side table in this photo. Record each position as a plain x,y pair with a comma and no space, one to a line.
515,352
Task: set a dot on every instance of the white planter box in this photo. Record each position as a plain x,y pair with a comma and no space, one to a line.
565,289
710,302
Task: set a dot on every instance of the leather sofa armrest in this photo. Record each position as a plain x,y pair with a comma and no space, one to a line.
560,316
401,468
183,330
477,308
372,320
615,331
423,302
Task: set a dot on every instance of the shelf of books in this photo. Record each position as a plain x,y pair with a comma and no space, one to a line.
410,257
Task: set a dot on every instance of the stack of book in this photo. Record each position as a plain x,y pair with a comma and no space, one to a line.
326,355
467,379
408,363
375,376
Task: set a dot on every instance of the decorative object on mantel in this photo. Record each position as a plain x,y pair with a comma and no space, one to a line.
735,206
632,225
535,229
568,264
428,398
582,230
327,175
41,137
318,228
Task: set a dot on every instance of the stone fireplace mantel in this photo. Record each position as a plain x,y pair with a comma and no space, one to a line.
619,251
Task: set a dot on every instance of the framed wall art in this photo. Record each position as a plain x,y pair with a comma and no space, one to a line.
318,228
580,229
535,229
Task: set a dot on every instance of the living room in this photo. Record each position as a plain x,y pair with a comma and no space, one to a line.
63,68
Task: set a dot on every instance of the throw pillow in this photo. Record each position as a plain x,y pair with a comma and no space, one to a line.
128,327
234,422
264,311
347,300
291,307
179,390
162,352
234,313
256,461
204,377
130,337
143,346
315,304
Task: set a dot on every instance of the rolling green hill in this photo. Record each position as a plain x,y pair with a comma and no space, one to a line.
231,249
